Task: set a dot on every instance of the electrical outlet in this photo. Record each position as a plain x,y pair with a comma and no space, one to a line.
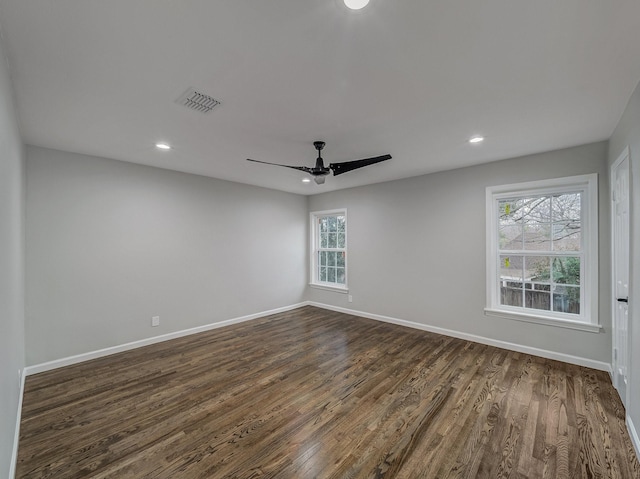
350,299
155,321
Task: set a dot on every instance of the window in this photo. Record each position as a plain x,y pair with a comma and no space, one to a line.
329,249
542,263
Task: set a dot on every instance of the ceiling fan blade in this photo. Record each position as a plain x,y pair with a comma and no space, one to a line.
300,168
339,168
319,179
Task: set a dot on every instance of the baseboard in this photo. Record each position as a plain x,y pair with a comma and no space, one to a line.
633,434
58,363
16,436
68,361
567,358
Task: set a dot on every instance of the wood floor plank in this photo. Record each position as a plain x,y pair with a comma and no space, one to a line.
317,394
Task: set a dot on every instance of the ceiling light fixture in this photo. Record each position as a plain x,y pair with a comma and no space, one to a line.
476,139
306,180
356,4
163,146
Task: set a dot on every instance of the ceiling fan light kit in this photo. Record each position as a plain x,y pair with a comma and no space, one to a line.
319,171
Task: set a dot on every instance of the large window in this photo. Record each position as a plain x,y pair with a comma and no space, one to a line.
329,249
542,251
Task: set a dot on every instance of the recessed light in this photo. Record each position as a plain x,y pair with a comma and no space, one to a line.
356,4
306,180
163,146
476,139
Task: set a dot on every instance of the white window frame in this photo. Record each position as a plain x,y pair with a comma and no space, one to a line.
315,246
587,185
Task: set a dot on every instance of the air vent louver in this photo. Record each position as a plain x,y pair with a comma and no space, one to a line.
197,101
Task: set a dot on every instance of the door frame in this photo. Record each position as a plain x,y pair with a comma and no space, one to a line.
624,155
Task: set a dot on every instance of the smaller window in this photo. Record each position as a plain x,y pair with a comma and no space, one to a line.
329,249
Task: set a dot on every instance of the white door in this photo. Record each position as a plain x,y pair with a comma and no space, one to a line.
620,259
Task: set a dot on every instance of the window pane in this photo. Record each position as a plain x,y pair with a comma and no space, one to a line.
323,274
566,207
322,261
511,268
509,212
340,276
566,299
566,236
538,269
331,275
340,262
511,284
341,224
333,240
537,237
324,240
536,299
566,270
340,240
537,282
510,296
323,225
536,210
510,237
331,258
333,223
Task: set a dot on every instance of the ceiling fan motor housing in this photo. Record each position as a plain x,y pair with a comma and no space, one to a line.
319,169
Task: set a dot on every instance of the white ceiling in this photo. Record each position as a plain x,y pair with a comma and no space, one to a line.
412,78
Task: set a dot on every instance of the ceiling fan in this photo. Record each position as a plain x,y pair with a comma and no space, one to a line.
319,172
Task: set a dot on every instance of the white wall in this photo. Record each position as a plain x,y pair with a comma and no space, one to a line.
416,250
627,133
111,244
11,266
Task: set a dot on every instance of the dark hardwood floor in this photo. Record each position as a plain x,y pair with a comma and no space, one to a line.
317,394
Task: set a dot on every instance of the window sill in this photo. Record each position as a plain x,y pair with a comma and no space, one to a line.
326,287
557,322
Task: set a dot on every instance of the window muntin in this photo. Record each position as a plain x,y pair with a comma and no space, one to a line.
329,249
542,249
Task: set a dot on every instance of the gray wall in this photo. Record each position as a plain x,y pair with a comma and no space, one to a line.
415,245
111,244
627,133
11,266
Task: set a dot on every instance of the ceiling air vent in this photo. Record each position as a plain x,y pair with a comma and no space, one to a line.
197,101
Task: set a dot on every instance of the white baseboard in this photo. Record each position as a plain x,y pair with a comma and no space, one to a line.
567,358
16,435
633,434
58,363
